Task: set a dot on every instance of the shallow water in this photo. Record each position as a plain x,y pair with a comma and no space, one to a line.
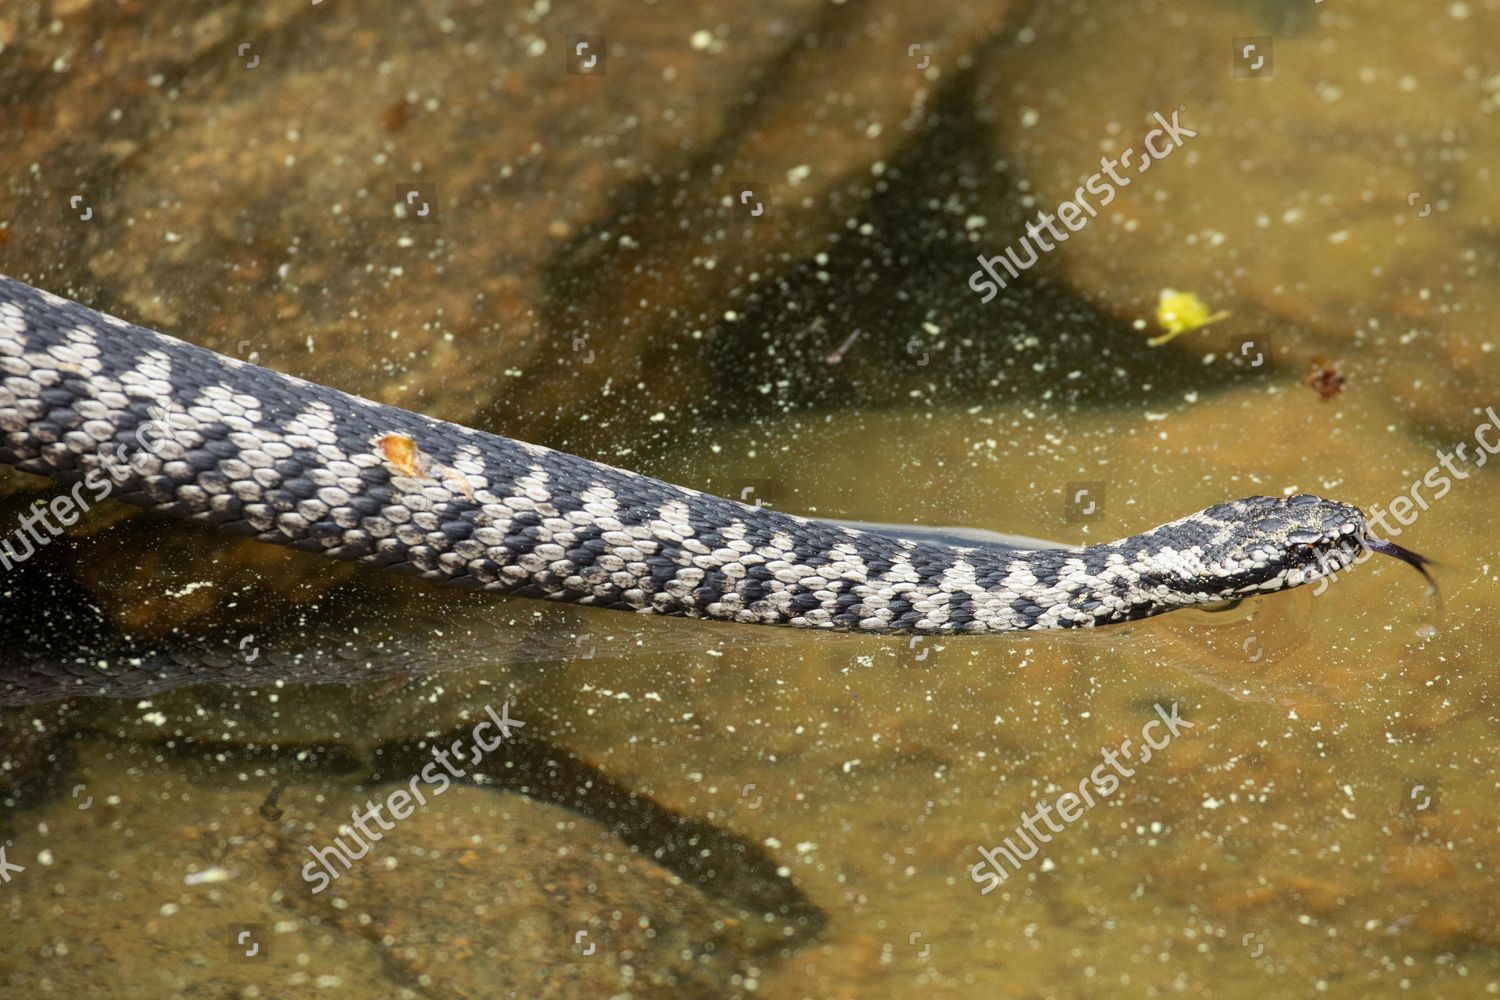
723,811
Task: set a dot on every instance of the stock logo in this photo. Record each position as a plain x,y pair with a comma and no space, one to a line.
1084,501
585,55
248,942
417,202
1253,57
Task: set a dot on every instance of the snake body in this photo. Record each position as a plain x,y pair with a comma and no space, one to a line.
86,398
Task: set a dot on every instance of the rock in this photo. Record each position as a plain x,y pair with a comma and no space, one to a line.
281,236
1336,207
478,893
482,895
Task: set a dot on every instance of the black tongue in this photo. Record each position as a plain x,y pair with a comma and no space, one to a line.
1411,558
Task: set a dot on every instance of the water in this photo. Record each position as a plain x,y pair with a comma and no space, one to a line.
734,811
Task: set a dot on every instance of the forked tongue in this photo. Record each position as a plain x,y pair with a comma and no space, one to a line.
1411,558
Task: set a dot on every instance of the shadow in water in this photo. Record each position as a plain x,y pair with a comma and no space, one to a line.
719,862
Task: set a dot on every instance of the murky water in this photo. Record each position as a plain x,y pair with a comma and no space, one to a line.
691,810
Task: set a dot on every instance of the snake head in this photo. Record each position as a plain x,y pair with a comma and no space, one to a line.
1265,544
1274,543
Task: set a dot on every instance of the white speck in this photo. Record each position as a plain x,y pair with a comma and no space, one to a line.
44,857
217,873
798,174
195,585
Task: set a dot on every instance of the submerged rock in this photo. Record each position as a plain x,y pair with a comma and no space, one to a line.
479,895
465,892
1333,200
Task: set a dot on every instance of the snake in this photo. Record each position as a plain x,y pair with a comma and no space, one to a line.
108,408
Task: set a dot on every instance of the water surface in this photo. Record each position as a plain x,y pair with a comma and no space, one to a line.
738,811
